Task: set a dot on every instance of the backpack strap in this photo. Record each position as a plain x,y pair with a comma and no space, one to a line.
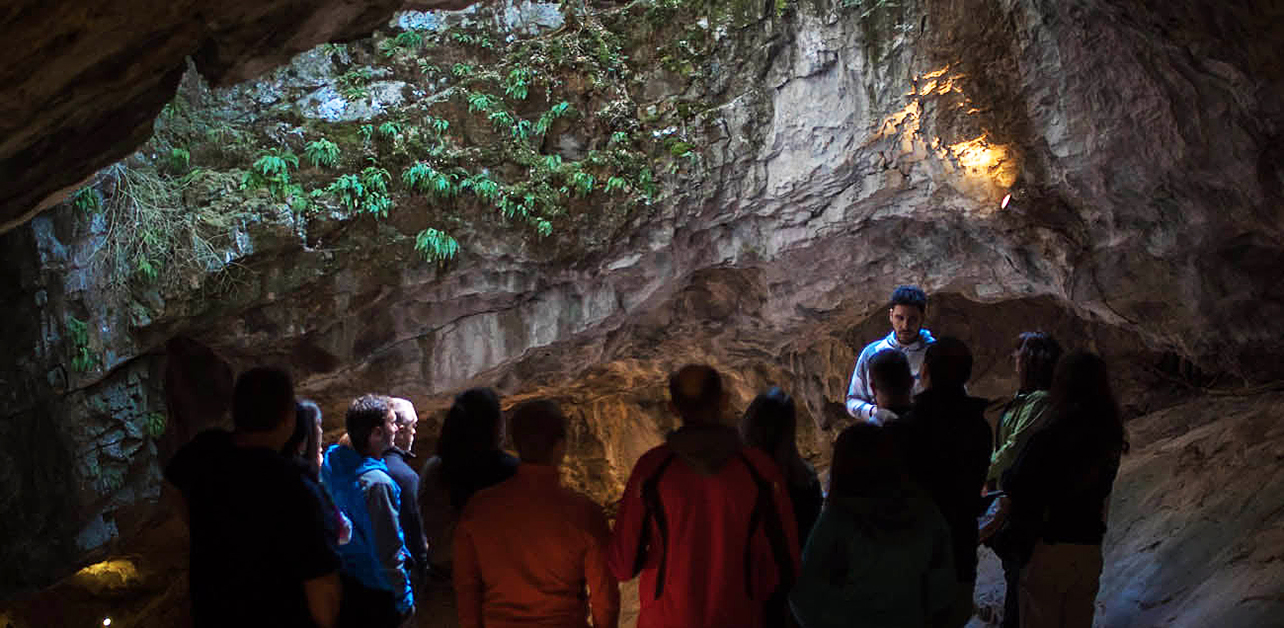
766,512
653,509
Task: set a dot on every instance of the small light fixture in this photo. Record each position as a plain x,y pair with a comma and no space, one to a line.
1006,199
106,621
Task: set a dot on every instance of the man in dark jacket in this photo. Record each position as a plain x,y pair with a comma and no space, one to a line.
260,552
706,521
408,480
946,445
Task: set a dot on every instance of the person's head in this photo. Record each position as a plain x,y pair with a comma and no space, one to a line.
474,425
538,430
1081,379
891,379
406,421
864,457
771,425
770,421
947,365
263,403
1036,358
371,425
696,394
1081,392
305,442
906,310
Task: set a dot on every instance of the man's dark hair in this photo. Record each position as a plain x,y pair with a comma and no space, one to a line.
949,364
696,391
1038,354
365,414
261,399
909,295
889,371
536,427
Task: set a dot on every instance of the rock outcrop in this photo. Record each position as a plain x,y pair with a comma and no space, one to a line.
83,82
1110,175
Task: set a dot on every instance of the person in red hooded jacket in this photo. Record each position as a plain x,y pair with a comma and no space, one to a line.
705,521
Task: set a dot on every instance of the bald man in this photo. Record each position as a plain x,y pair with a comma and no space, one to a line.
403,473
705,521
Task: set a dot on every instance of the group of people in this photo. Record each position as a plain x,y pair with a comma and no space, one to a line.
725,523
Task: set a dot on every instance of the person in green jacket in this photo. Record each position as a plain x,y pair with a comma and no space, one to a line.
880,554
1036,358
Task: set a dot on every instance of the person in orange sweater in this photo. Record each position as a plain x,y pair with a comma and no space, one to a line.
526,548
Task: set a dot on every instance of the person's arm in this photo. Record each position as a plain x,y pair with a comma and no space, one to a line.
467,578
859,396
604,591
389,548
323,595
622,553
1023,420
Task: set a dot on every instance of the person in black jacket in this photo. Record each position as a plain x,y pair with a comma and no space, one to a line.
946,444
404,475
1060,486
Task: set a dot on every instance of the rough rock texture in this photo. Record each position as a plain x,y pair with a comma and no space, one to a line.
83,81
842,149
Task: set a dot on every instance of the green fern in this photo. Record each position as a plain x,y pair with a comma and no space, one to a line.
461,70
479,102
82,358
615,183
500,119
518,83
155,425
86,200
582,182
389,130
272,171
366,131
322,153
436,246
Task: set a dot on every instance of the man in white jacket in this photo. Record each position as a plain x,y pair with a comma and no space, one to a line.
906,311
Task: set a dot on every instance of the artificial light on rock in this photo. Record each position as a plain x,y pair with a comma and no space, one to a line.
106,621
1007,198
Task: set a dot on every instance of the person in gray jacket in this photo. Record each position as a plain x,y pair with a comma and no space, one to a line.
906,311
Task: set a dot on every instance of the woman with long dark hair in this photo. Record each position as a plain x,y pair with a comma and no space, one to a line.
770,424
1035,360
468,459
304,447
880,553
1060,487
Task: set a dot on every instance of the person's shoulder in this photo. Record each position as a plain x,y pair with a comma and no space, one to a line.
653,458
762,463
874,347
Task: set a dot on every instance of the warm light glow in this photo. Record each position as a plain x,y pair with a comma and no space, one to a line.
119,567
106,621
975,153
1006,199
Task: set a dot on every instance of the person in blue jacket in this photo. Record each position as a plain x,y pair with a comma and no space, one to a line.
377,592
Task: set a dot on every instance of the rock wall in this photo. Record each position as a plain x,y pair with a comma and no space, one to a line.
809,157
